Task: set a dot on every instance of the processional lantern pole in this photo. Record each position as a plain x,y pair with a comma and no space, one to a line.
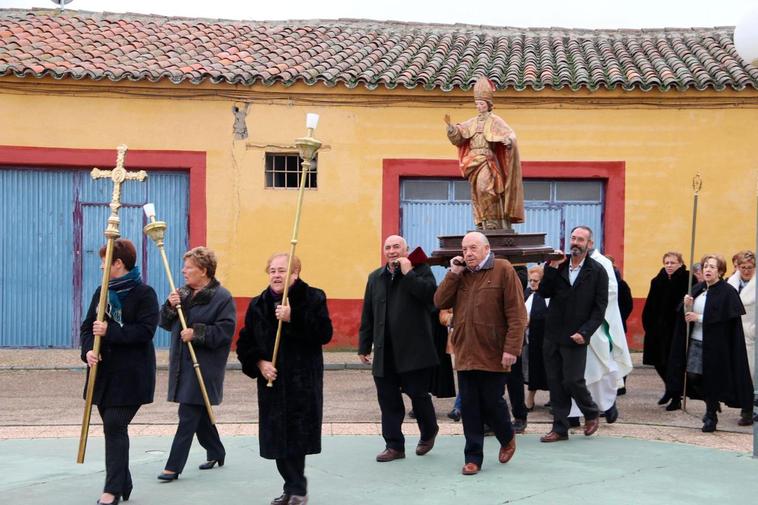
118,175
697,185
307,147
156,230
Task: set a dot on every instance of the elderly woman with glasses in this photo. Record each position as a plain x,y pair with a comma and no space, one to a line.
716,360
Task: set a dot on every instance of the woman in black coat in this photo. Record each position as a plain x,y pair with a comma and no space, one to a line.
660,314
716,361
126,365
290,411
211,317
537,310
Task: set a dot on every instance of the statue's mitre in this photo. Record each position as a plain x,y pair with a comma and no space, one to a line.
484,89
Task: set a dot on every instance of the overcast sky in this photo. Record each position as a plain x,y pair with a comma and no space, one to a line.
523,13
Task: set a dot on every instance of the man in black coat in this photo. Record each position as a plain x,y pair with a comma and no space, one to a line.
578,292
396,322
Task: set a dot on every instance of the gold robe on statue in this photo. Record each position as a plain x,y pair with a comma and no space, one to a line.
489,159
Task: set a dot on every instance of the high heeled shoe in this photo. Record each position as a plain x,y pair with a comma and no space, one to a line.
126,494
114,502
211,463
168,477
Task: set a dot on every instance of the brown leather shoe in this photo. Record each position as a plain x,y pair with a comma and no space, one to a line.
553,436
389,455
591,426
506,452
298,500
284,499
470,469
424,446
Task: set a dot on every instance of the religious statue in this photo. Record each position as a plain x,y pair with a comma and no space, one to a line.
489,159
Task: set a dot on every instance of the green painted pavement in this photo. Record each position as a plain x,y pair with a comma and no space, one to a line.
583,470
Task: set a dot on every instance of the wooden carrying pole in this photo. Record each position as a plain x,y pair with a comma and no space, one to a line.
697,184
307,147
118,175
156,231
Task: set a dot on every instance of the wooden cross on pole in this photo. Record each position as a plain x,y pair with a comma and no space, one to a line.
118,175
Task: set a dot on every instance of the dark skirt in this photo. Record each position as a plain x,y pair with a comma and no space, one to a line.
536,376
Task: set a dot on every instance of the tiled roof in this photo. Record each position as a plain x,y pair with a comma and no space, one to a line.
83,45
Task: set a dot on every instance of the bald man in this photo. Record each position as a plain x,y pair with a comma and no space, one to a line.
490,319
396,323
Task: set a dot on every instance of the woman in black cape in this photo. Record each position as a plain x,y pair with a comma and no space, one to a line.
716,360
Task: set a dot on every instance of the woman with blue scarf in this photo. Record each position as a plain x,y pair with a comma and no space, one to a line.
126,369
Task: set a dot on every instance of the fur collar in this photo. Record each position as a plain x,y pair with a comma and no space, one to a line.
202,297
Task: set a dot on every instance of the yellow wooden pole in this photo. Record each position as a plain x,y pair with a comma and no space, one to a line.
307,146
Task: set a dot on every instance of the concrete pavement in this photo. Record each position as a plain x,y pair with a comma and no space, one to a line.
648,456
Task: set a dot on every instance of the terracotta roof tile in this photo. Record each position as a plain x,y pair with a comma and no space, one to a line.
84,45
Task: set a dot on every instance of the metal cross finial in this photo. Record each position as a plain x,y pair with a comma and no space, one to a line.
118,175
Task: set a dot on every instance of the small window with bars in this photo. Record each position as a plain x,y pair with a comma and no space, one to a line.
283,170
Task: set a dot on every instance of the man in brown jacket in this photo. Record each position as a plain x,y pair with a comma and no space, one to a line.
488,301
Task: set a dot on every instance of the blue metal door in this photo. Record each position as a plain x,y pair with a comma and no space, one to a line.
51,278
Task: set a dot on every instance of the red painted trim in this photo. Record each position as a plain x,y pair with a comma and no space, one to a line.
635,333
612,172
189,161
345,315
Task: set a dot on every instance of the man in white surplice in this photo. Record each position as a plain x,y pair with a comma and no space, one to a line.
608,358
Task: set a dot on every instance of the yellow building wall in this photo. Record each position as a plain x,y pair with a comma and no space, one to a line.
664,138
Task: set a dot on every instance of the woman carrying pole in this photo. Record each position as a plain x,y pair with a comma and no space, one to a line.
126,364
291,410
211,316
715,361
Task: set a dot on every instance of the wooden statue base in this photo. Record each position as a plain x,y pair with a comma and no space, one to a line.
518,248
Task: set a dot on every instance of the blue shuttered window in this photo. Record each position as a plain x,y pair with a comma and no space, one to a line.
433,207
53,223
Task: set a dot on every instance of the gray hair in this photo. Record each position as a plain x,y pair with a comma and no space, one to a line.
582,227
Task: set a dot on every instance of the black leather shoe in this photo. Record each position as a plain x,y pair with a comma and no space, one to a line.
168,476
664,399
211,463
709,423
676,404
612,414
455,415
284,499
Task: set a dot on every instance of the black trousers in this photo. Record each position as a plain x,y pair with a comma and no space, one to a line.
118,479
193,420
482,402
564,366
515,383
389,391
292,470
